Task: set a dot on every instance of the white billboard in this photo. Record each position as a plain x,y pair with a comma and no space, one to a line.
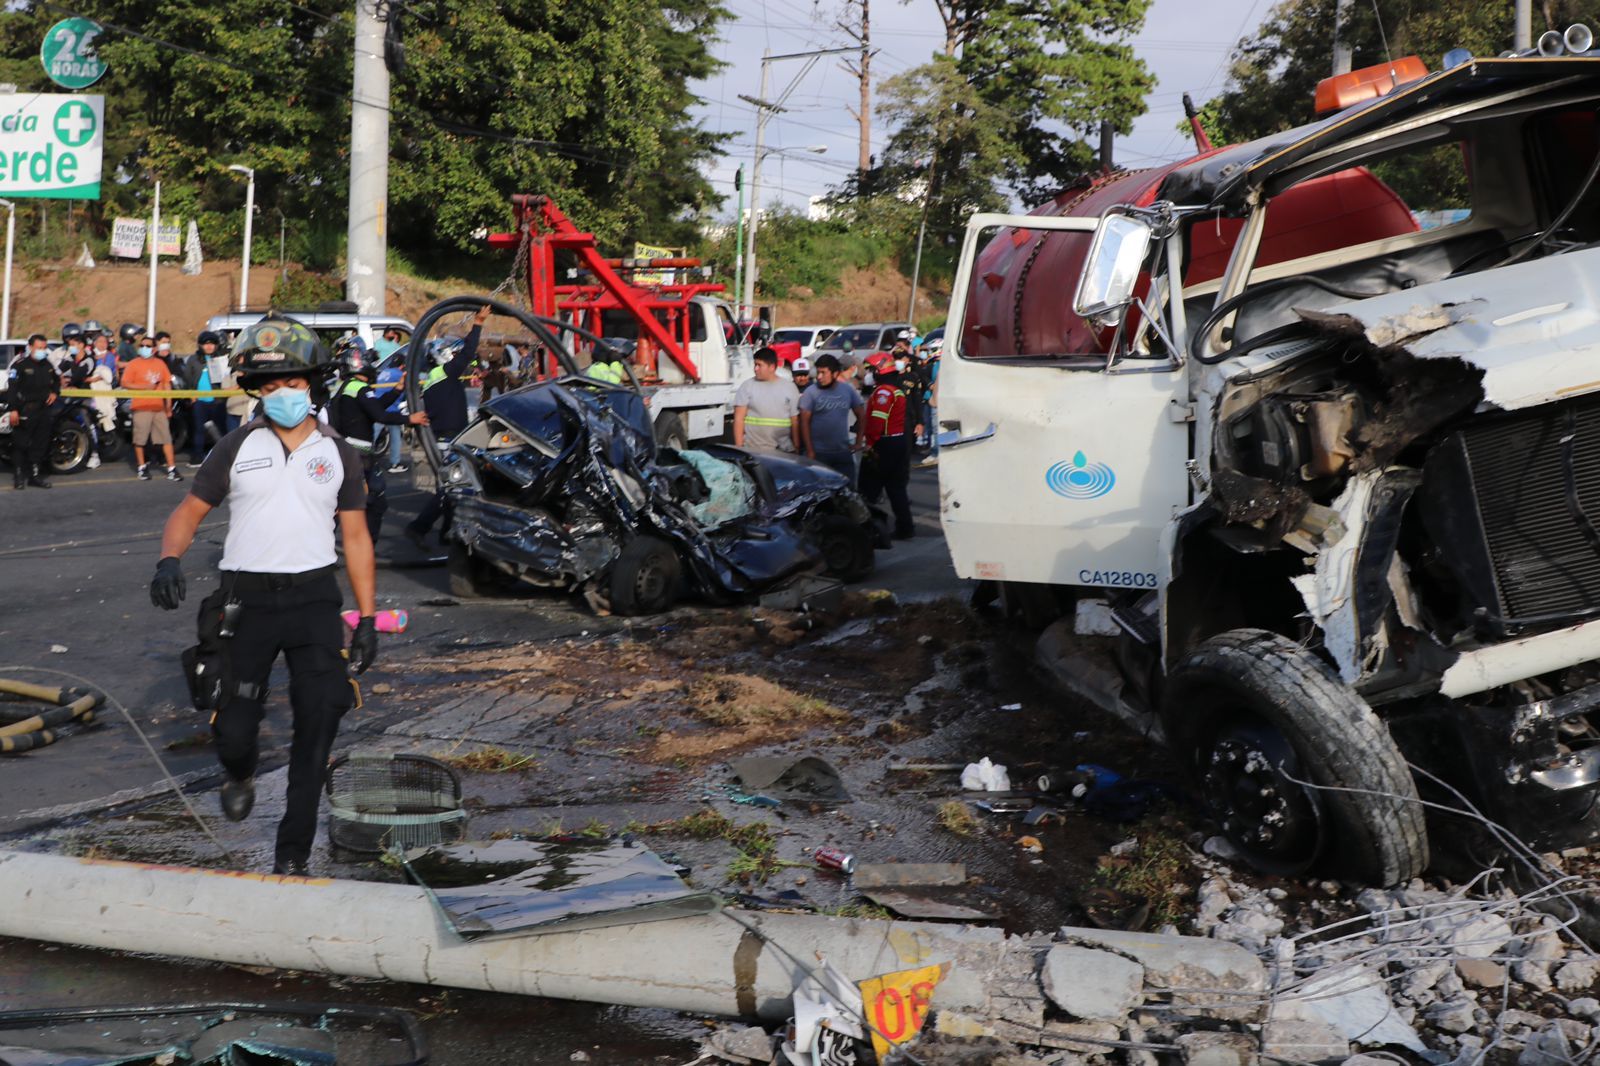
51,144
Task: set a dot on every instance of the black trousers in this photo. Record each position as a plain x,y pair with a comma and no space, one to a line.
438,505
888,475
30,444
302,622
377,493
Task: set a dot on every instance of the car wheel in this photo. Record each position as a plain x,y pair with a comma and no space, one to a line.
1296,768
848,552
470,578
70,448
669,431
644,579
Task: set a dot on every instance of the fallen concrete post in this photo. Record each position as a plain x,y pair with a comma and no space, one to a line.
711,964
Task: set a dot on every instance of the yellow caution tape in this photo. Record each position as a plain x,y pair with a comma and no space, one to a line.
152,394
174,394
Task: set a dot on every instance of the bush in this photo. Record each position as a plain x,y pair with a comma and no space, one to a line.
797,253
302,289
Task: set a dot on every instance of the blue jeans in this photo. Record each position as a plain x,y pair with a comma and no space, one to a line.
843,462
204,413
930,427
396,445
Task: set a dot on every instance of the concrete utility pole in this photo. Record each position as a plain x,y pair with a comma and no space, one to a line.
764,109
367,247
1343,51
155,243
249,231
862,70
1524,32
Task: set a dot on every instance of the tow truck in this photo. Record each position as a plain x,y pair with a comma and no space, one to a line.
689,352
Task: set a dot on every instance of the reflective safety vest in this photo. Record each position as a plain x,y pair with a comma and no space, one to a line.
432,378
609,372
351,422
886,412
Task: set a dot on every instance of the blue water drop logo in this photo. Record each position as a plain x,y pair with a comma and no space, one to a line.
1079,479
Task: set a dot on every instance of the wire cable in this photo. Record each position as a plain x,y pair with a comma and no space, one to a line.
165,773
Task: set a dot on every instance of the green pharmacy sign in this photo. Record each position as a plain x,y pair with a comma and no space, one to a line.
68,54
51,145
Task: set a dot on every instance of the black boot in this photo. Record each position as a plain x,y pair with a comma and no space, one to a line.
37,479
19,477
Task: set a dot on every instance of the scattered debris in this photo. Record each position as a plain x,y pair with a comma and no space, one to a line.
985,776
807,777
958,818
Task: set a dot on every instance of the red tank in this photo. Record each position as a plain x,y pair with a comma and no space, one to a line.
1024,280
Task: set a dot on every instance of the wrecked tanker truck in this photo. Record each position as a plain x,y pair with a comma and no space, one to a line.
1320,428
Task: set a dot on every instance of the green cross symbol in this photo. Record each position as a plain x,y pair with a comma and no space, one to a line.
74,124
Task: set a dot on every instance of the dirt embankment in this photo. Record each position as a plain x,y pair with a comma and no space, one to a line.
44,295
878,293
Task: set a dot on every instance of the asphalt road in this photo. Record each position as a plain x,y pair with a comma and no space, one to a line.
75,564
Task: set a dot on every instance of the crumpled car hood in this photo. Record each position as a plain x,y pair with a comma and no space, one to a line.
580,476
1532,328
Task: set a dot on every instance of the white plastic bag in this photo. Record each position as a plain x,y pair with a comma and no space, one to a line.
985,776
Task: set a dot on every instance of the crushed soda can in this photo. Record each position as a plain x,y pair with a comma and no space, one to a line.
830,858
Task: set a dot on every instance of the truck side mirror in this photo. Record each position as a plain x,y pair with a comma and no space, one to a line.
1112,267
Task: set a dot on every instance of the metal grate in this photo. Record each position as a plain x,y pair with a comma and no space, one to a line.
380,801
1543,559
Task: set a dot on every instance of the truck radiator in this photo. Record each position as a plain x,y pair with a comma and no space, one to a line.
1513,503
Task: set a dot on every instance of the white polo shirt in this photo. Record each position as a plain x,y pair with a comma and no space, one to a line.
282,504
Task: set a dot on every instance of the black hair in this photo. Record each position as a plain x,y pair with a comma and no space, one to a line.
828,362
766,355
37,337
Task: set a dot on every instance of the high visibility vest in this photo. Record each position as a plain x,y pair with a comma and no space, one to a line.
886,413
609,372
432,378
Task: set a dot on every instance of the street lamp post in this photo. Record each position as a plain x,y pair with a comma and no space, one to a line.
11,234
249,225
763,110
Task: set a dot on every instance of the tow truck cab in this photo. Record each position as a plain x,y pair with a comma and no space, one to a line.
1321,426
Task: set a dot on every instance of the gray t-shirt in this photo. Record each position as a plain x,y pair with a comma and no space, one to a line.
770,408
830,415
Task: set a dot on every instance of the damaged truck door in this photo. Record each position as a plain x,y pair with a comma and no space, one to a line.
1072,444
1353,474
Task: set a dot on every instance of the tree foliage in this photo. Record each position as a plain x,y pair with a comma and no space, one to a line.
588,103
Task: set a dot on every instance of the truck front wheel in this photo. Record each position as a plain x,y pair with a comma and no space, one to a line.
1296,768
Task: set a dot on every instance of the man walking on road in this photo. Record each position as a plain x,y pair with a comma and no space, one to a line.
287,480
33,387
891,414
152,416
764,409
825,410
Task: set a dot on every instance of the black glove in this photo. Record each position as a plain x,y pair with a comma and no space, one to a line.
166,588
364,644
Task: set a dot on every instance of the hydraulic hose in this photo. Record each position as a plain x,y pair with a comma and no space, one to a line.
1197,338
1561,219
545,330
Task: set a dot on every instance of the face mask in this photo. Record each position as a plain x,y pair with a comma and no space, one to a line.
38,353
75,350
287,407
145,352
901,364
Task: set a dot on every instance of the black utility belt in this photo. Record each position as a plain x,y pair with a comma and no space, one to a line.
252,581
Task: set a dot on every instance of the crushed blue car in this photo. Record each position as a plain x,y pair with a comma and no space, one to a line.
562,485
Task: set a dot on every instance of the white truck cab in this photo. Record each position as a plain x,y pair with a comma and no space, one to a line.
1316,419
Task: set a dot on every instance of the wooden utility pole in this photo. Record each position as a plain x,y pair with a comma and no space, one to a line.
858,26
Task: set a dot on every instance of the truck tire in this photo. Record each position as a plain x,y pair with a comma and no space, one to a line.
848,550
670,432
1296,768
645,577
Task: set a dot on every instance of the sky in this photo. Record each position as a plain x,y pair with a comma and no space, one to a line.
1185,43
